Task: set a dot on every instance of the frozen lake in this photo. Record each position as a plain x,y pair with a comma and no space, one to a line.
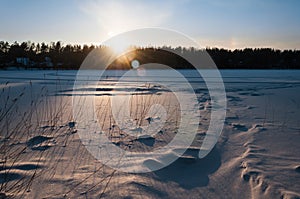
257,154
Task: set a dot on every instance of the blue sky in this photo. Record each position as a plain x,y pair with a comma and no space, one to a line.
215,23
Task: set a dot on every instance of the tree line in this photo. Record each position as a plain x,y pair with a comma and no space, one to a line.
58,56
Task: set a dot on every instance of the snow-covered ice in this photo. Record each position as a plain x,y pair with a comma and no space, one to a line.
257,155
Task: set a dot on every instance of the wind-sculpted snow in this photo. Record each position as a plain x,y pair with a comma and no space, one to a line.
257,155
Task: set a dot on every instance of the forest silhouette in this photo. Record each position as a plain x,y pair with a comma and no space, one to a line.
58,56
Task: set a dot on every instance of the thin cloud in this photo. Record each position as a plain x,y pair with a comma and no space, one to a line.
119,16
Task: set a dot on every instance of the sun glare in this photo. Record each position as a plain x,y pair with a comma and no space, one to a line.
119,48
118,45
110,33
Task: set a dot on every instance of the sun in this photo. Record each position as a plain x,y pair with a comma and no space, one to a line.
110,33
118,44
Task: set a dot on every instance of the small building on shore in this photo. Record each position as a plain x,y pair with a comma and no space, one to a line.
23,61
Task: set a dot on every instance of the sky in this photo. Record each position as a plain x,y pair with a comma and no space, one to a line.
211,23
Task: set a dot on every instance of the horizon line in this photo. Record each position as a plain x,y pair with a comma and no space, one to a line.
98,44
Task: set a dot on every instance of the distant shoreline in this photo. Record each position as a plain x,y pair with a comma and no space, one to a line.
70,69
29,55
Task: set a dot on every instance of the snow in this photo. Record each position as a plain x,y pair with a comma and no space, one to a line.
42,154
